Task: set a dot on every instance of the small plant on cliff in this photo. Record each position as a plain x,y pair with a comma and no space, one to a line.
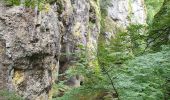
28,3
12,2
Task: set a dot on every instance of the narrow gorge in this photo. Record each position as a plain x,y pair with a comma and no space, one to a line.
42,40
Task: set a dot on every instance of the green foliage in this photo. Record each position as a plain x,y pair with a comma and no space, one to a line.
141,78
28,3
144,77
112,57
13,2
152,6
6,95
85,93
137,78
81,67
137,35
120,49
160,29
123,46
95,83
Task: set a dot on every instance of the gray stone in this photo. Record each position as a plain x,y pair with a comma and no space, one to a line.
32,45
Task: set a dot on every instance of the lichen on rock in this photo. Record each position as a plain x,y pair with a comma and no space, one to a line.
32,48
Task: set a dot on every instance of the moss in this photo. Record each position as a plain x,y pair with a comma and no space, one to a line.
110,25
60,7
94,24
96,6
12,2
29,3
95,12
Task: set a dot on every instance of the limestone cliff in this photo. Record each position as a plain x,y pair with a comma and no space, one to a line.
32,43
32,46
122,13
127,11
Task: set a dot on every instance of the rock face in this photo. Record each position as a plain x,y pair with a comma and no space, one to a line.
3,68
80,21
31,44
121,14
125,12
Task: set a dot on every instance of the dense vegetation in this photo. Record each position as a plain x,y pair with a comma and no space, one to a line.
135,65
